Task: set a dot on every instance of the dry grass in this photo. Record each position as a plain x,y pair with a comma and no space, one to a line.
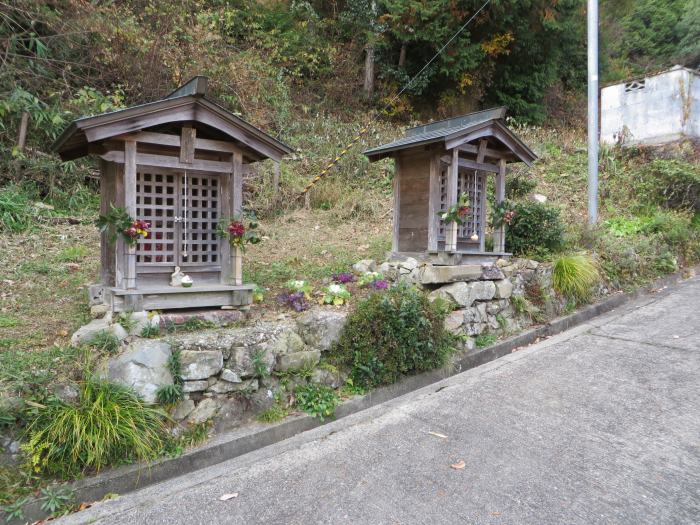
43,275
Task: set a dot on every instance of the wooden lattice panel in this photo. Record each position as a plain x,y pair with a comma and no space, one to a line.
183,230
156,203
200,199
465,181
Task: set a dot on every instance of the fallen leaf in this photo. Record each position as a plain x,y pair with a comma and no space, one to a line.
436,434
62,333
459,465
227,497
495,514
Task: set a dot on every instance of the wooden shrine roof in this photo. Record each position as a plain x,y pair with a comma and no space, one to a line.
488,123
188,103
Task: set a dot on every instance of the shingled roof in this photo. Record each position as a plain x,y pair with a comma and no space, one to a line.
188,103
489,122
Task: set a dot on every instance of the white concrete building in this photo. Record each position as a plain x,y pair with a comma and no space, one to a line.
656,109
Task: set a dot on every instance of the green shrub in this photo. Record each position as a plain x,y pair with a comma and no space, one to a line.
574,276
519,186
671,183
169,394
393,333
316,400
109,425
536,229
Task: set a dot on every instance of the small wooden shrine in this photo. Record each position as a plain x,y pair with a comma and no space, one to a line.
177,164
434,165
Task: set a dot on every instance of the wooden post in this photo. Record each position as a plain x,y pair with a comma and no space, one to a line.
452,177
236,257
480,155
237,265
188,137
396,218
237,184
433,202
226,192
130,206
499,234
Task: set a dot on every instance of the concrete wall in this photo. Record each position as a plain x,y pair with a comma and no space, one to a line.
654,110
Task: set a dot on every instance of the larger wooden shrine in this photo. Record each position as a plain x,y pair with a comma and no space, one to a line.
178,164
434,165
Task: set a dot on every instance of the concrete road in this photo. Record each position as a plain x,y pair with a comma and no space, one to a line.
597,425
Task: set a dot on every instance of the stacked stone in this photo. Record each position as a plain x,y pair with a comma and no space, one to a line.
229,371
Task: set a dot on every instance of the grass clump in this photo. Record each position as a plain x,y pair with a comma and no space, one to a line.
275,413
169,394
316,400
392,333
574,276
109,425
105,341
484,340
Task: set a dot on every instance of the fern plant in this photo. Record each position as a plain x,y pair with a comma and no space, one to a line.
574,276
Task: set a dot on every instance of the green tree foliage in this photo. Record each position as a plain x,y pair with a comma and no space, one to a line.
645,35
512,53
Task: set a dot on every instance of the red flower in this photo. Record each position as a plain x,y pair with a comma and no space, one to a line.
463,211
131,232
236,229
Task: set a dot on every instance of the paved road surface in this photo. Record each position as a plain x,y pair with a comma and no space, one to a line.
598,425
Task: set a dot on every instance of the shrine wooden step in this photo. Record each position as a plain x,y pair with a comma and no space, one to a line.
173,298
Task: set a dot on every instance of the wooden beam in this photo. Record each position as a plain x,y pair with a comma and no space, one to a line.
492,130
166,161
165,139
188,136
452,178
396,219
490,152
471,164
433,202
130,206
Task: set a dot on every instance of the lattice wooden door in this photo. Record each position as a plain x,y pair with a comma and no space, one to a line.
465,183
183,210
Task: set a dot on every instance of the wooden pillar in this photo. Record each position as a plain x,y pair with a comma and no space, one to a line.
499,234
236,257
130,206
433,202
226,192
480,155
452,177
397,205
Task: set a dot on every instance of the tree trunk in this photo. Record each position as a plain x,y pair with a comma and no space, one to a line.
369,69
402,55
22,138
369,53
